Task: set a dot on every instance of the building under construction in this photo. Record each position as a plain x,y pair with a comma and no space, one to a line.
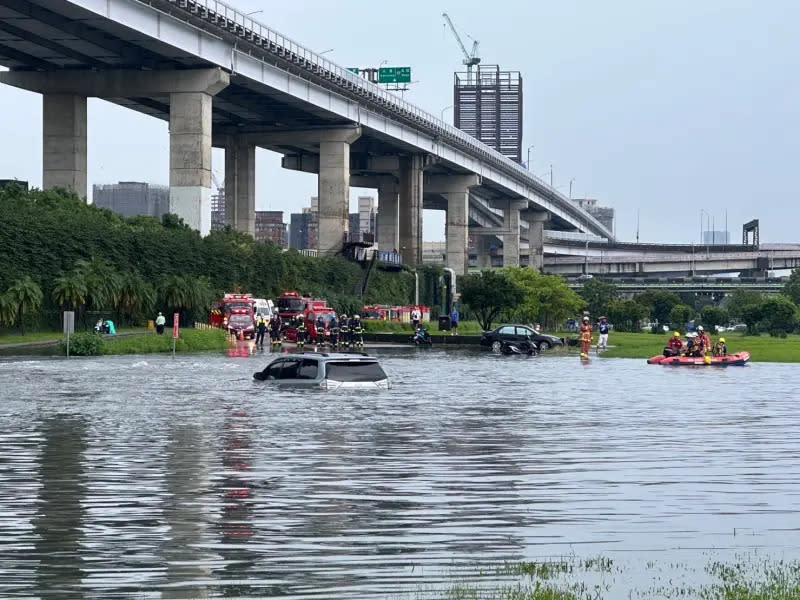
488,106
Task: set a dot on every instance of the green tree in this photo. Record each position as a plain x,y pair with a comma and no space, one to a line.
626,314
598,294
713,316
659,302
103,283
780,315
680,315
740,299
70,290
792,287
488,294
8,314
25,296
136,296
546,299
752,314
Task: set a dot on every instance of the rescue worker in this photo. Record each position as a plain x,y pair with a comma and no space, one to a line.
301,332
705,338
319,329
720,348
344,331
333,329
674,345
261,329
275,330
357,332
696,347
585,337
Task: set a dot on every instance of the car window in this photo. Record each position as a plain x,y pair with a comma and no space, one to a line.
524,331
308,369
506,330
355,371
290,368
273,371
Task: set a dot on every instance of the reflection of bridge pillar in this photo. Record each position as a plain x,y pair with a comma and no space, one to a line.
456,193
410,217
537,220
240,185
388,215
334,187
64,143
511,240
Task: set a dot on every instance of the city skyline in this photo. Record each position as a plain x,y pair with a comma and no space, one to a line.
660,112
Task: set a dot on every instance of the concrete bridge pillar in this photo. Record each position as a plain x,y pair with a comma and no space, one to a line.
455,190
511,220
334,187
240,185
410,217
388,214
483,246
64,143
537,220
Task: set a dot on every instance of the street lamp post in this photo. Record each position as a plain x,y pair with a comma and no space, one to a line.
529,156
255,12
446,108
326,51
570,187
551,175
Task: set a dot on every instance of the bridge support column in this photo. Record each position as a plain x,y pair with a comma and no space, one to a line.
240,185
411,168
334,188
388,215
64,143
511,240
483,247
456,193
537,220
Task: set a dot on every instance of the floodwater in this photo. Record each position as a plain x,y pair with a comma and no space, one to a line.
153,477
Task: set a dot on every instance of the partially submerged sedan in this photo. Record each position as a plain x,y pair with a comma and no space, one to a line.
517,334
326,370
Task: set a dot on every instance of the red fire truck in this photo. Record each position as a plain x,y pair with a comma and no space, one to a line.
235,313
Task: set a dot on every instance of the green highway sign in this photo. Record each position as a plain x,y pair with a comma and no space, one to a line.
353,69
394,75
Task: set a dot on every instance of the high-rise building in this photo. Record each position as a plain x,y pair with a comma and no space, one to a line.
488,106
9,182
354,223
303,227
218,209
716,237
270,226
604,214
132,198
367,210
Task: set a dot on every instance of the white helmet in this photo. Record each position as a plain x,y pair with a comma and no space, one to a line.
700,328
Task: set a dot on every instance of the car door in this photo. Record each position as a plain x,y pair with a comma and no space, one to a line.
273,371
523,334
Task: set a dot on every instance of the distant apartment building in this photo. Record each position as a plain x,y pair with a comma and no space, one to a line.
354,223
9,182
218,210
604,214
367,212
132,198
270,226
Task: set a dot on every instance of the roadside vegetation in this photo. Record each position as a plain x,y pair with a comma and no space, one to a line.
190,340
747,577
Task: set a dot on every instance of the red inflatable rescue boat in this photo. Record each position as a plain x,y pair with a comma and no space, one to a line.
732,360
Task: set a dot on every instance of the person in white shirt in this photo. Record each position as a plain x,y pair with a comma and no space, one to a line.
415,318
160,321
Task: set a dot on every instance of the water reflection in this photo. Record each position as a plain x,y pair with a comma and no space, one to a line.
59,515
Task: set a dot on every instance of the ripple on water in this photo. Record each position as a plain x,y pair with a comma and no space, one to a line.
185,477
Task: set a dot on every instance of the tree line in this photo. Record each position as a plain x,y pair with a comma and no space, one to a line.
59,253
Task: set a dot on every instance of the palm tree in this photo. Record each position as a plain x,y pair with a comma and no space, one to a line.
135,295
176,293
70,290
25,296
7,313
103,284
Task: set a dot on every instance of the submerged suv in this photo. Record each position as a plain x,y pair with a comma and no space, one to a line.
326,370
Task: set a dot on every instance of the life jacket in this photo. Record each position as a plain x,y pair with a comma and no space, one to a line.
675,343
586,333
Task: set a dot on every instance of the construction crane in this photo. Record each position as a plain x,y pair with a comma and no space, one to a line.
470,58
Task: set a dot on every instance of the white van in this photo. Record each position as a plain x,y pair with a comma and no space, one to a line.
264,307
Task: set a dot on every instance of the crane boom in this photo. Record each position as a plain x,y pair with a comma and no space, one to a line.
469,59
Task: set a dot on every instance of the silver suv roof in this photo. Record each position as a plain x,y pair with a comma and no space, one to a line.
328,356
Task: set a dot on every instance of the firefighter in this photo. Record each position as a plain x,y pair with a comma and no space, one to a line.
720,348
344,331
585,337
333,329
357,332
301,332
275,330
261,329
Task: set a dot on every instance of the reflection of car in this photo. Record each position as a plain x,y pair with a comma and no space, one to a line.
326,370
241,325
584,277
518,333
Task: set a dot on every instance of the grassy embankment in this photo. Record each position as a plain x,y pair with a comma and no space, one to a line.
7,337
748,577
464,328
762,348
190,340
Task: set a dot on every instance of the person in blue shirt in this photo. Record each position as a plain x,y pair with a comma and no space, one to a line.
454,322
603,328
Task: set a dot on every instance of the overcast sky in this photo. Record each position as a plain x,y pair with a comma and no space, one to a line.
660,108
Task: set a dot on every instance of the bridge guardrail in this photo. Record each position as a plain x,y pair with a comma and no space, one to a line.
222,15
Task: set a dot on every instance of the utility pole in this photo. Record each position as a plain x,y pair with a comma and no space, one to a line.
551,176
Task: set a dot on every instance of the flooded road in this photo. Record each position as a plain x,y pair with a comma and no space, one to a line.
150,477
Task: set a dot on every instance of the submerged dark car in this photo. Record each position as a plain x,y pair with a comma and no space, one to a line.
519,333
